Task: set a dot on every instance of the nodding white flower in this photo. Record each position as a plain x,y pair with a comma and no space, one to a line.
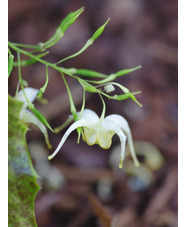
100,131
26,115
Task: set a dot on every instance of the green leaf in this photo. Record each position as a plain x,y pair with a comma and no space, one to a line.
10,63
21,174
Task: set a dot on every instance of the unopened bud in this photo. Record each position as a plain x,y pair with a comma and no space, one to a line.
109,88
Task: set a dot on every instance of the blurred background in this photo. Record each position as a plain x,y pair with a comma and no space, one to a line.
82,186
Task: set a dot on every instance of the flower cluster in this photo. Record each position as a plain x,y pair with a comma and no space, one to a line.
95,130
100,131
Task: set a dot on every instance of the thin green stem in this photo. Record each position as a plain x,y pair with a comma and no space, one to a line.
88,43
108,79
30,105
72,106
46,83
58,35
25,45
17,89
104,109
80,130
31,61
59,69
83,105
64,125
10,53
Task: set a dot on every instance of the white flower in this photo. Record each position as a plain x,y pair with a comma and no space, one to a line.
98,131
26,115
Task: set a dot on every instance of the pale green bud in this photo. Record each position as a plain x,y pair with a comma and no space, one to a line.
109,88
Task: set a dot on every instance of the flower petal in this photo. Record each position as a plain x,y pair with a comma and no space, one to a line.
31,94
27,116
89,114
90,134
88,119
105,133
109,128
123,124
89,131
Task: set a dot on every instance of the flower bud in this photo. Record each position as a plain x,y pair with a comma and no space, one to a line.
126,71
109,88
99,31
70,19
41,118
90,73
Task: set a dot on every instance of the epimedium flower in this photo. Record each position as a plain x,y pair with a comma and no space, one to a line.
100,131
27,116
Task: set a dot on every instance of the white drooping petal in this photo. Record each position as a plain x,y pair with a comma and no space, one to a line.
29,117
89,114
88,119
31,94
123,124
112,128
121,121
